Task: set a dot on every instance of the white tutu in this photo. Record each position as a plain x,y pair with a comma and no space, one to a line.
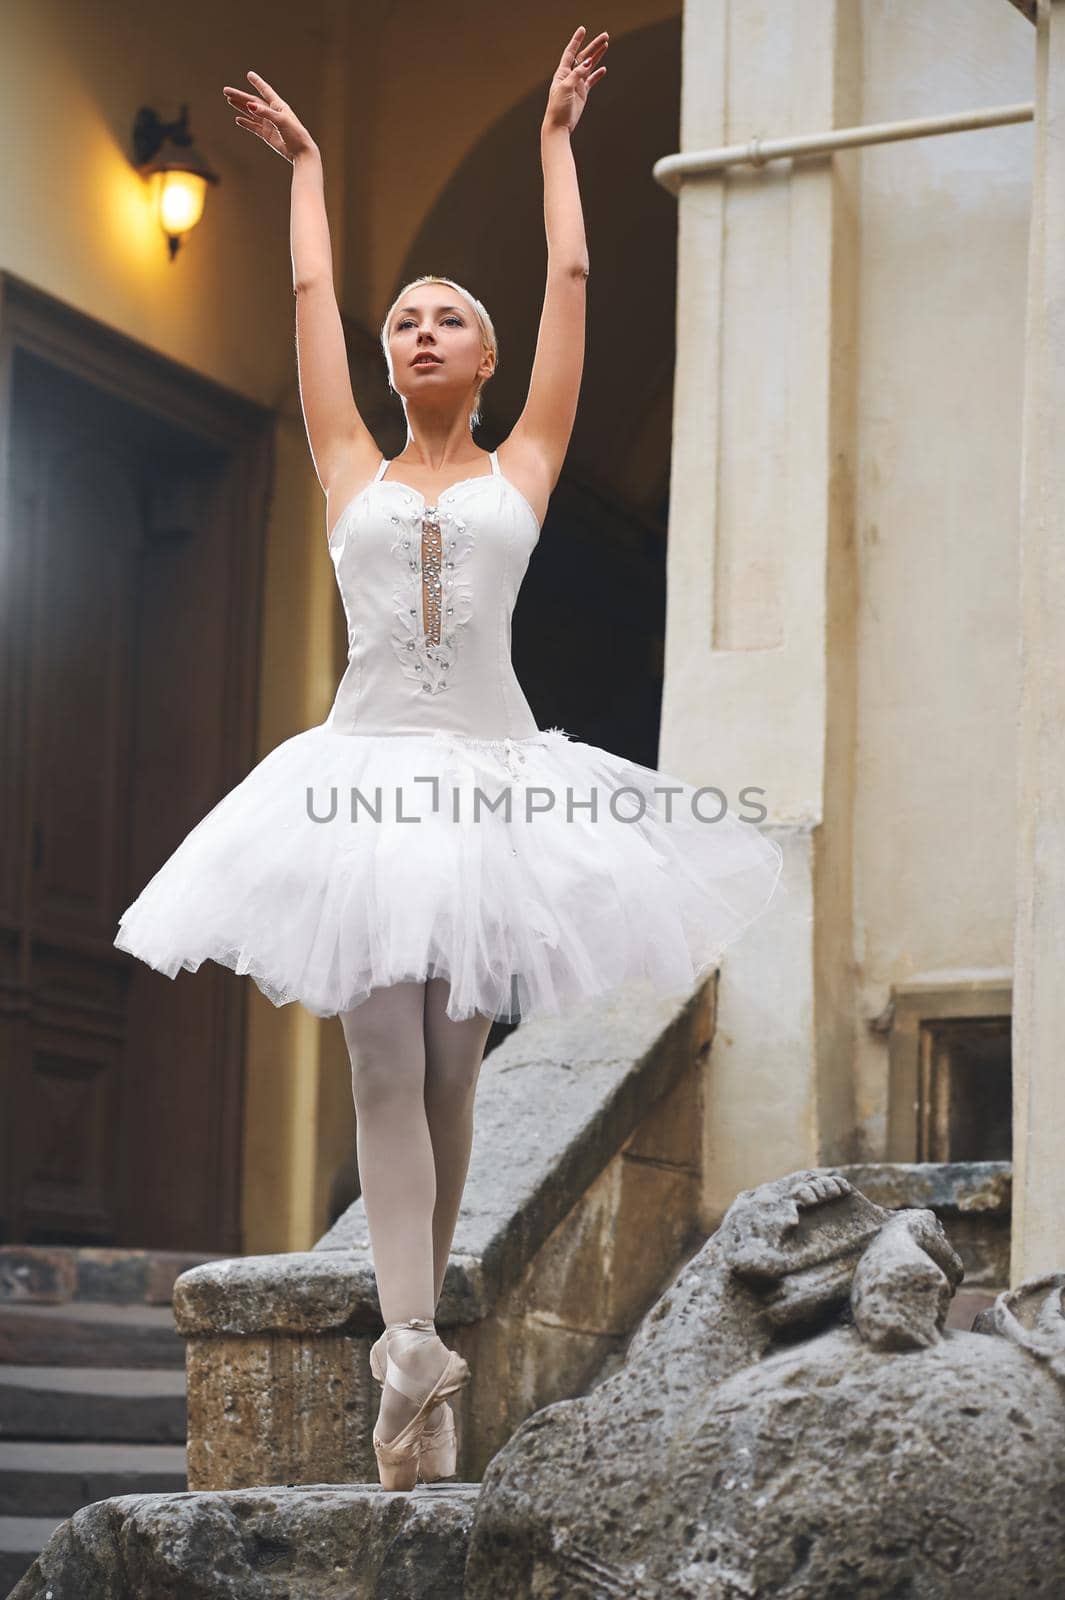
524,915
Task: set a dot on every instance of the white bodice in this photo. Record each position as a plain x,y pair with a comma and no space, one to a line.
429,593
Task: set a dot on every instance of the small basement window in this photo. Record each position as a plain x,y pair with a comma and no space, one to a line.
950,1094
965,1101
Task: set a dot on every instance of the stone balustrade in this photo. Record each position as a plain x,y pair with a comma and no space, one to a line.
581,1201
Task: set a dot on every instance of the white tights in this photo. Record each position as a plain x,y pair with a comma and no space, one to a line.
414,1074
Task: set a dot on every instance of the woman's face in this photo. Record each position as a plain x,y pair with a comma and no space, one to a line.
434,341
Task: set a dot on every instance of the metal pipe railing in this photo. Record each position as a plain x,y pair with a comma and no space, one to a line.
670,171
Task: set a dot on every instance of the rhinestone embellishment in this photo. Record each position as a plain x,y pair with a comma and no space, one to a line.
427,630
431,549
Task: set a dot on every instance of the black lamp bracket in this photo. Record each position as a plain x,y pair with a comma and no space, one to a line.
149,133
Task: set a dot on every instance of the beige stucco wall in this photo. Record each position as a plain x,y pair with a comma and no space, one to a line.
944,242
842,626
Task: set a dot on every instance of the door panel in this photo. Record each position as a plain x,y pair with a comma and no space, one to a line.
129,604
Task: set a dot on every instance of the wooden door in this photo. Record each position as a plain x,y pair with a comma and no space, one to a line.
132,507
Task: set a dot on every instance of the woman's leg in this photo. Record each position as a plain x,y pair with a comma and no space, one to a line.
386,1043
454,1052
385,1040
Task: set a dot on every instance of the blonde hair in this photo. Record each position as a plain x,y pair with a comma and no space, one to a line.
484,322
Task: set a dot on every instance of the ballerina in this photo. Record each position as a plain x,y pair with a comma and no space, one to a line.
540,870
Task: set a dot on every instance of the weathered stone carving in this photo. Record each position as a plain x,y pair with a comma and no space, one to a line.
793,1420
1033,1317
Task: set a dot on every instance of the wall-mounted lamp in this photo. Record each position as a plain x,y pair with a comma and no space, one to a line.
164,153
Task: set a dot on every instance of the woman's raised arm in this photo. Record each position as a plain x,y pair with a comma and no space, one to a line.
339,439
539,440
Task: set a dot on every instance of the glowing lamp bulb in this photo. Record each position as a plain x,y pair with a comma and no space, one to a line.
180,198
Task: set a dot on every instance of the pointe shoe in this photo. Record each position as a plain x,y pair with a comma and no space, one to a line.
398,1458
438,1456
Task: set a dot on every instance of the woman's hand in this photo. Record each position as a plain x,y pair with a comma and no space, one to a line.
267,115
576,73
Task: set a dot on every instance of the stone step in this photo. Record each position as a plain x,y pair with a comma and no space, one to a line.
21,1541
355,1540
136,1404
87,1334
50,1274
43,1480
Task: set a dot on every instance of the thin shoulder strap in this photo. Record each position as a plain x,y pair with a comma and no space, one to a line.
495,463
381,470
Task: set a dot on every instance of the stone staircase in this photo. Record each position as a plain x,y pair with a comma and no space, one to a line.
92,1386
580,1207
578,1214
319,1539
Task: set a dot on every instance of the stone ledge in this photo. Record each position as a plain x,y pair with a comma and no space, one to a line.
316,1541
961,1187
583,1193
